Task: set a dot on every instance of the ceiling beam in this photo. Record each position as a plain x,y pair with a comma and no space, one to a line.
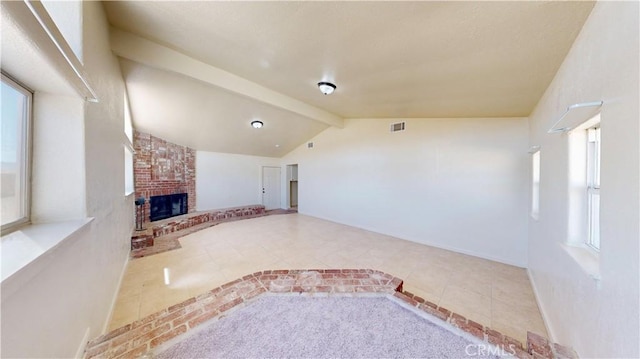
138,49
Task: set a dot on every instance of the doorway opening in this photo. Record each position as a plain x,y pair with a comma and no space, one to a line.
292,186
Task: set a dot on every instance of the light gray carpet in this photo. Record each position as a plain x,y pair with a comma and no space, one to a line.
321,327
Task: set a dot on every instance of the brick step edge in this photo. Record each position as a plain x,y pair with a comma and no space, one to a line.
135,339
537,347
140,239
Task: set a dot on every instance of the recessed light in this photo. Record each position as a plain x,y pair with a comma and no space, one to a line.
277,145
326,88
257,124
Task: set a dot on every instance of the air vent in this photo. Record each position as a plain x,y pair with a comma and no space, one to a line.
310,145
399,126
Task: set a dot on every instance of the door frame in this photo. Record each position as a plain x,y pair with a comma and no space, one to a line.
278,186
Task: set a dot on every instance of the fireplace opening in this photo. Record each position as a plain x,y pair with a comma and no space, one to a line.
171,205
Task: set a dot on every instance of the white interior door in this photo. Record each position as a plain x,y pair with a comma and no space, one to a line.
271,187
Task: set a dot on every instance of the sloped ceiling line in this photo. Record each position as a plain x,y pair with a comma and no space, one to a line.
138,49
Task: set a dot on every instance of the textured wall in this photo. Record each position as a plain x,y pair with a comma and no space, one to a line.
597,317
458,184
65,296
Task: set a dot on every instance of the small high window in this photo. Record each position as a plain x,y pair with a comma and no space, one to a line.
593,186
128,171
128,125
15,135
535,184
128,151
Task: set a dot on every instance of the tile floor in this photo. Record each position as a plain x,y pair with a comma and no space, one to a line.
493,294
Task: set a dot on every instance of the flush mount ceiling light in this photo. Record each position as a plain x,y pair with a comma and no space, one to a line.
257,124
327,88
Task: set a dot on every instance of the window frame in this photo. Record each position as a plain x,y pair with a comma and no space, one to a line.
593,186
129,151
129,179
535,183
26,157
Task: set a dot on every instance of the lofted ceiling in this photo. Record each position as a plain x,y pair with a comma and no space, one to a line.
198,72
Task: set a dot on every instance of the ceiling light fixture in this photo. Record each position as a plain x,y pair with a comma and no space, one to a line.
327,88
257,124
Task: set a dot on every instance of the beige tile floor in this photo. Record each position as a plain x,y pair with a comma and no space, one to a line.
494,294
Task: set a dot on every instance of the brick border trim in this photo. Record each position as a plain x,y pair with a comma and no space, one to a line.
138,338
215,215
537,347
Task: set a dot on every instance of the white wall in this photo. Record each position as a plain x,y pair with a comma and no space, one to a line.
51,314
58,134
459,184
599,319
227,180
104,166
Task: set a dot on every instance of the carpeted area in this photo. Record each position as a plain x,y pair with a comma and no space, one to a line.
322,327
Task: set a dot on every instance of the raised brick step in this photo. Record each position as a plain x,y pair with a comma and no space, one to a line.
144,239
142,336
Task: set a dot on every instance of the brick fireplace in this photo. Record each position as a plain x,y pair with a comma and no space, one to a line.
163,168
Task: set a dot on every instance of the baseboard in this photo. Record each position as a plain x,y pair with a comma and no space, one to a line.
83,344
105,327
431,244
545,317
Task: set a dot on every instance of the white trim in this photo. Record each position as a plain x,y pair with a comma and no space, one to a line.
114,300
586,257
26,160
588,110
83,344
541,308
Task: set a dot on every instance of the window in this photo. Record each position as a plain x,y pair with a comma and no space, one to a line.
15,135
128,125
128,171
584,184
583,225
535,184
593,187
128,152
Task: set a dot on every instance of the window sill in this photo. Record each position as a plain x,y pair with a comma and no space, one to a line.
22,250
587,258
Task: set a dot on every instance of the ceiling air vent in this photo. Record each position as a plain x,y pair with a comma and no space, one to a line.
396,127
310,145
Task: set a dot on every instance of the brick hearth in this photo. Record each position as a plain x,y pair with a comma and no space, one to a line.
146,238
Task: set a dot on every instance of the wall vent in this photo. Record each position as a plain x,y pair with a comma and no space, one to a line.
396,127
310,145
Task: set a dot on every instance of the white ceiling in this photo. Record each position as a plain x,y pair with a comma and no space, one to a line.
388,59
192,113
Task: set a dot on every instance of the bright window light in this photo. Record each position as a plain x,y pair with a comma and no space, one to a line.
15,123
535,184
593,186
128,124
128,171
